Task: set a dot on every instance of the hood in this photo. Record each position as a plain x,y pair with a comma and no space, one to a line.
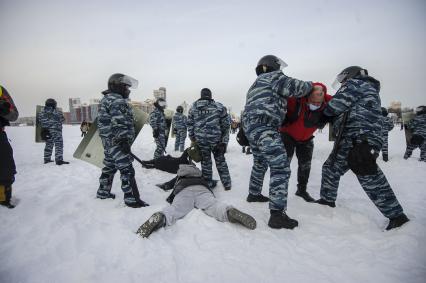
372,81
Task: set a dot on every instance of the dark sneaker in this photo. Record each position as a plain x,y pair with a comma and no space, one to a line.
48,161
397,221
136,204
155,222
279,220
236,216
301,192
324,202
105,195
60,162
257,198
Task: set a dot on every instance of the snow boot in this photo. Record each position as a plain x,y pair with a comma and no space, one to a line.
257,198
301,192
60,162
397,221
155,222
279,220
385,158
104,195
236,216
324,202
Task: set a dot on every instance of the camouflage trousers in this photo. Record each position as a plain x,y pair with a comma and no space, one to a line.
180,140
160,142
410,148
54,141
304,151
385,144
376,186
115,160
206,165
268,151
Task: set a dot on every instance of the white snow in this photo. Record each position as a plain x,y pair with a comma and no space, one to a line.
60,232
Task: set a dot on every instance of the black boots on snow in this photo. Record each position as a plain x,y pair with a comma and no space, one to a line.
155,222
324,202
257,198
397,221
385,157
60,162
236,216
301,192
279,220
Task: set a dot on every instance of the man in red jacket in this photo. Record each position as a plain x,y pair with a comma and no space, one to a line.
297,132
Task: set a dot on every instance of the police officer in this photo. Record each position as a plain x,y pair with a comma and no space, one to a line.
358,124
418,127
116,129
208,126
51,119
265,108
157,121
387,127
179,126
8,113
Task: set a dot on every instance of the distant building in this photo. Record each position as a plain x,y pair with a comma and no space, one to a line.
67,116
74,104
85,113
160,93
147,106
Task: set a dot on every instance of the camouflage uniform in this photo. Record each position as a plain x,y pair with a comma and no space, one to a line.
52,119
265,109
418,127
115,123
208,124
157,121
359,96
179,123
387,126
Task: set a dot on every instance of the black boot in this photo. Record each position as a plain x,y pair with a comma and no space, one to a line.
236,216
168,185
257,198
279,220
324,202
228,188
385,158
47,161
155,222
8,196
244,149
397,221
133,199
105,195
301,192
60,162
248,151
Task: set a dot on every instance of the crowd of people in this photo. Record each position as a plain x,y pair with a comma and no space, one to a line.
279,120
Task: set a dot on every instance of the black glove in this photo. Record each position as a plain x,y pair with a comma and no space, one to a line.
155,133
124,145
45,134
220,148
4,107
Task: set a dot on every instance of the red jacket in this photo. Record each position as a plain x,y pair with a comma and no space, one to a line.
297,127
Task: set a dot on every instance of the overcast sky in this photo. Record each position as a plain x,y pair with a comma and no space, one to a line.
65,49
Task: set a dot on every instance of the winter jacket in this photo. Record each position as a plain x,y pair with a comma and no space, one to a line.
13,111
267,97
179,121
418,125
51,118
297,123
208,122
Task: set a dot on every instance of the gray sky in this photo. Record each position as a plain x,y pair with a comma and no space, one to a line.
65,49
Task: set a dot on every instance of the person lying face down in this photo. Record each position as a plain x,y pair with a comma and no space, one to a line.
192,191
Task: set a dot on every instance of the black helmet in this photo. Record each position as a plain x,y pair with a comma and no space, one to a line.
351,72
179,109
384,112
119,83
421,110
206,93
269,63
50,102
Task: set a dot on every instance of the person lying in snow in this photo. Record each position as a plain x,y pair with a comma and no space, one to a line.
167,163
189,191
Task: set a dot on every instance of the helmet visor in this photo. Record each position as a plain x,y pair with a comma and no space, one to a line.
131,82
162,103
339,80
281,63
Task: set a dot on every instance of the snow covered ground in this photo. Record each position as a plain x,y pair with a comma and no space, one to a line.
60,232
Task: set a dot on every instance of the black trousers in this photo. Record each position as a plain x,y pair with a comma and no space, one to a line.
304,152
7,163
